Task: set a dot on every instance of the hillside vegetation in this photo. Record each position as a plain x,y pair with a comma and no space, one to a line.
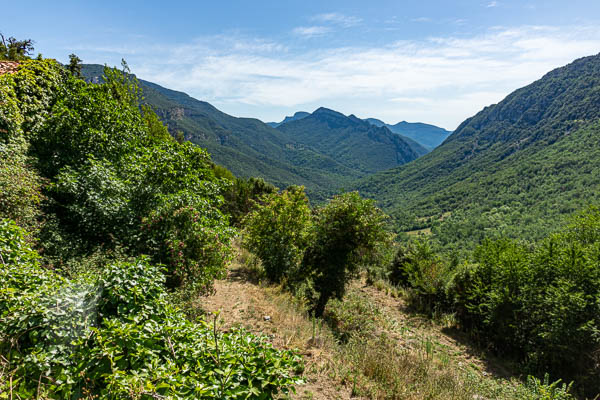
352,141
115,233
517,168
125,222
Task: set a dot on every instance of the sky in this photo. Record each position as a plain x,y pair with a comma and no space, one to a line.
438,62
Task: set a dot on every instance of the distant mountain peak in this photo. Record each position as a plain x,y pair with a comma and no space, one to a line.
352,141
327,111
426,135
297,115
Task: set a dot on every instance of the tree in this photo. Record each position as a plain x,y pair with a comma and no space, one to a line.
346,234
13,49
277,232
74,65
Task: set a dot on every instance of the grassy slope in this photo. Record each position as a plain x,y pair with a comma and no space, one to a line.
534,153
369,346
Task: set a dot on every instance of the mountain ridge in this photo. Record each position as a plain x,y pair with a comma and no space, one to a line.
473,171
297,115
247,146
352,141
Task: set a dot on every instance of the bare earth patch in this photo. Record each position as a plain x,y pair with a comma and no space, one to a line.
272,312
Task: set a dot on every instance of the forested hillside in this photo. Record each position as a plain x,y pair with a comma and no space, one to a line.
516,168
352,141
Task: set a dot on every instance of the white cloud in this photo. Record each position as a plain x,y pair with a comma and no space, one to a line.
438,80
492,4
338,19
310,31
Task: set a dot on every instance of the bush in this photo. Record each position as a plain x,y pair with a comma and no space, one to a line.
191,238
116,336
425,275
243,195
21,194
278,233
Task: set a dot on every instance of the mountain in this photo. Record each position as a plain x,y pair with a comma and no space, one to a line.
516,168
429,136
352,141
297,115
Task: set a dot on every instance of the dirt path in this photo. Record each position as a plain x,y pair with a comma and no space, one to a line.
272,312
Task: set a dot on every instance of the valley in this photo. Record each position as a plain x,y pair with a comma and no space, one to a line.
155,247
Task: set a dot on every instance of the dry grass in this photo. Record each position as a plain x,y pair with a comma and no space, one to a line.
239,301
372,348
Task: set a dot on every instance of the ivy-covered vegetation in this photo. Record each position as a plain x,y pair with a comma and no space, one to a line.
115,335
125,219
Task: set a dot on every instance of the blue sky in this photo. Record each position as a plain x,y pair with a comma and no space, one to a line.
430,61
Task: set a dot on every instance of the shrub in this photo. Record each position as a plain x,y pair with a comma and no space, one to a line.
191,238
116,336
21,194
278,233
538,303
417,268
243,195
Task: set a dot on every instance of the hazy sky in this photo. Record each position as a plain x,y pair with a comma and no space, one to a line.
430,61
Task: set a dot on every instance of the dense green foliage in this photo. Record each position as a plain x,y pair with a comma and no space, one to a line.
517,168
428,136
316,254
122,213
347,234
419,268
351,141
278,233
535,303
116,336
243,195
116,177
21,194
